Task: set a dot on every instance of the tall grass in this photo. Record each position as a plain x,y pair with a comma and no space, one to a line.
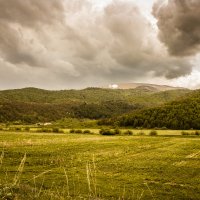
16,189
91,179
16,179
1,158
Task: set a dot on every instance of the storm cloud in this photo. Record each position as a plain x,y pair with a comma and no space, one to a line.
31,13
63,44
179,25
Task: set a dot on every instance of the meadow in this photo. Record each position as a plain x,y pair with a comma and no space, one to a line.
81,166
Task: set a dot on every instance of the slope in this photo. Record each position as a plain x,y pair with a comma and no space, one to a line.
32,105
180,114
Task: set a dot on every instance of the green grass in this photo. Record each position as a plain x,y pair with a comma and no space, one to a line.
74,166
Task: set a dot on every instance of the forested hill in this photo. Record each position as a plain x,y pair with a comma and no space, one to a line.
89,95
35,105
180,114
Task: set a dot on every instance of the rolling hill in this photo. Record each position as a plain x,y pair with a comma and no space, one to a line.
31,105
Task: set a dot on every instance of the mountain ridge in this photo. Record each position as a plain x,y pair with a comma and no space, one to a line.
135,85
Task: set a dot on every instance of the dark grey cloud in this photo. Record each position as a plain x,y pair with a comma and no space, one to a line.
179,25
65,43
12,46
16,16
135,46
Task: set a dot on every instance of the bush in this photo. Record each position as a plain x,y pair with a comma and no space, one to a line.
128,132
153,133
185,133
55,130
27,128
78,131
18,129
61,131
86,131
1,128
45,130
72,131
117,131
107,132
141,133
197,133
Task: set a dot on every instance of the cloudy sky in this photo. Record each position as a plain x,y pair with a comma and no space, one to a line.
61,44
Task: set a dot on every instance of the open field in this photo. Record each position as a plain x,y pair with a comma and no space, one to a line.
72,166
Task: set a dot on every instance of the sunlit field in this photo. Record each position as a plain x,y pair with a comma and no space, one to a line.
77,166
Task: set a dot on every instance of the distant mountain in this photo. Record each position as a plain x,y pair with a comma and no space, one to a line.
31,105
147,86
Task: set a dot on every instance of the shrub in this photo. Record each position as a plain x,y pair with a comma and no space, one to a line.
18,129
117,131
128,132
153,133
72,131
45,130
141,133
78,131
107,132
1,128
86,131
55,130
27,128
185,133
61,131
197,133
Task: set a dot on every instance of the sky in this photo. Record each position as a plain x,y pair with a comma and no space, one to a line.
64,44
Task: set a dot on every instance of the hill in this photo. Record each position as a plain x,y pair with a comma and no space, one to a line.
33,105
179,114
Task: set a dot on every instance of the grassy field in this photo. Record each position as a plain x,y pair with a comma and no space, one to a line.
72,166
